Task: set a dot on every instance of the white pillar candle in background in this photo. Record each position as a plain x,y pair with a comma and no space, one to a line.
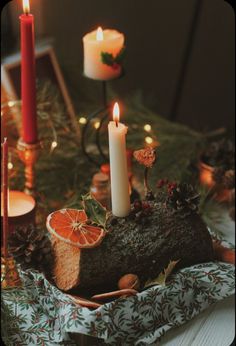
96,42
118,166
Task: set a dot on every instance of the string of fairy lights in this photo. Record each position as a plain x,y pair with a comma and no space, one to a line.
149,136
8,107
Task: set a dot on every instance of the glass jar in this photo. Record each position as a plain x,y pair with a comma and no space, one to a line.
100,189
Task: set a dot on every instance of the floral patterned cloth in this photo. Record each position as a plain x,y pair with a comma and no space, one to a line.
40,314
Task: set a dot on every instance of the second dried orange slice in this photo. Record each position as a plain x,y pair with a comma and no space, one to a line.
71,226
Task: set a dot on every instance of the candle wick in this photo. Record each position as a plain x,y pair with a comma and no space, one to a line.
116,123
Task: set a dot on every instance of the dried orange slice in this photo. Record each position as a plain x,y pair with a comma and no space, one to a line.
70,226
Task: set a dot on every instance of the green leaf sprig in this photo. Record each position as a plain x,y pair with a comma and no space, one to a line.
110,60
161,279
94,210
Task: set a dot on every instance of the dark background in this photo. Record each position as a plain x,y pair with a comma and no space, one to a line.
179,53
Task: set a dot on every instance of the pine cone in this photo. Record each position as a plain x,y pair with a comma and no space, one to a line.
183,198
31,247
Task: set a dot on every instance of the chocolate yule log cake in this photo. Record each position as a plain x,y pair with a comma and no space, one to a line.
158,230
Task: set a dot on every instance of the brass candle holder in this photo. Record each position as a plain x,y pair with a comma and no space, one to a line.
9,274
29,154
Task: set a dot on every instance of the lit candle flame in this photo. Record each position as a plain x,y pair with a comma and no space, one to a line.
99,36
26,6
116,113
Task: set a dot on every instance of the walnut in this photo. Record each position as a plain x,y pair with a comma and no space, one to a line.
129,281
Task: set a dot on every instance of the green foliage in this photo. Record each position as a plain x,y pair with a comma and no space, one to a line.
120,56
63,174
60,171
107,58
178,146
94,210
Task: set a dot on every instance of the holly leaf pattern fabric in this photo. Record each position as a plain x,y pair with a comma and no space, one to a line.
40,314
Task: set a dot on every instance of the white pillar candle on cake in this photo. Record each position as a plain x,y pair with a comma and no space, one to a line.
103,52
120,198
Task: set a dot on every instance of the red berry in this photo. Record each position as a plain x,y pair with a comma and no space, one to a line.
160,183
146,206
137,205
115,66
171,185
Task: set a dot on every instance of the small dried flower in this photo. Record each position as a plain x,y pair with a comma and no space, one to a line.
146,157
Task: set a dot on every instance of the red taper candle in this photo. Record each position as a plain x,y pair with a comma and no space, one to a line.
5,195
28,87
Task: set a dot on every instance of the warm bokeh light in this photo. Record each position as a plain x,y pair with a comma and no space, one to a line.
99,35
82,120
206,177
148,140
96,125
147,127
26,6
11,103
54,144
10,165
116,112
